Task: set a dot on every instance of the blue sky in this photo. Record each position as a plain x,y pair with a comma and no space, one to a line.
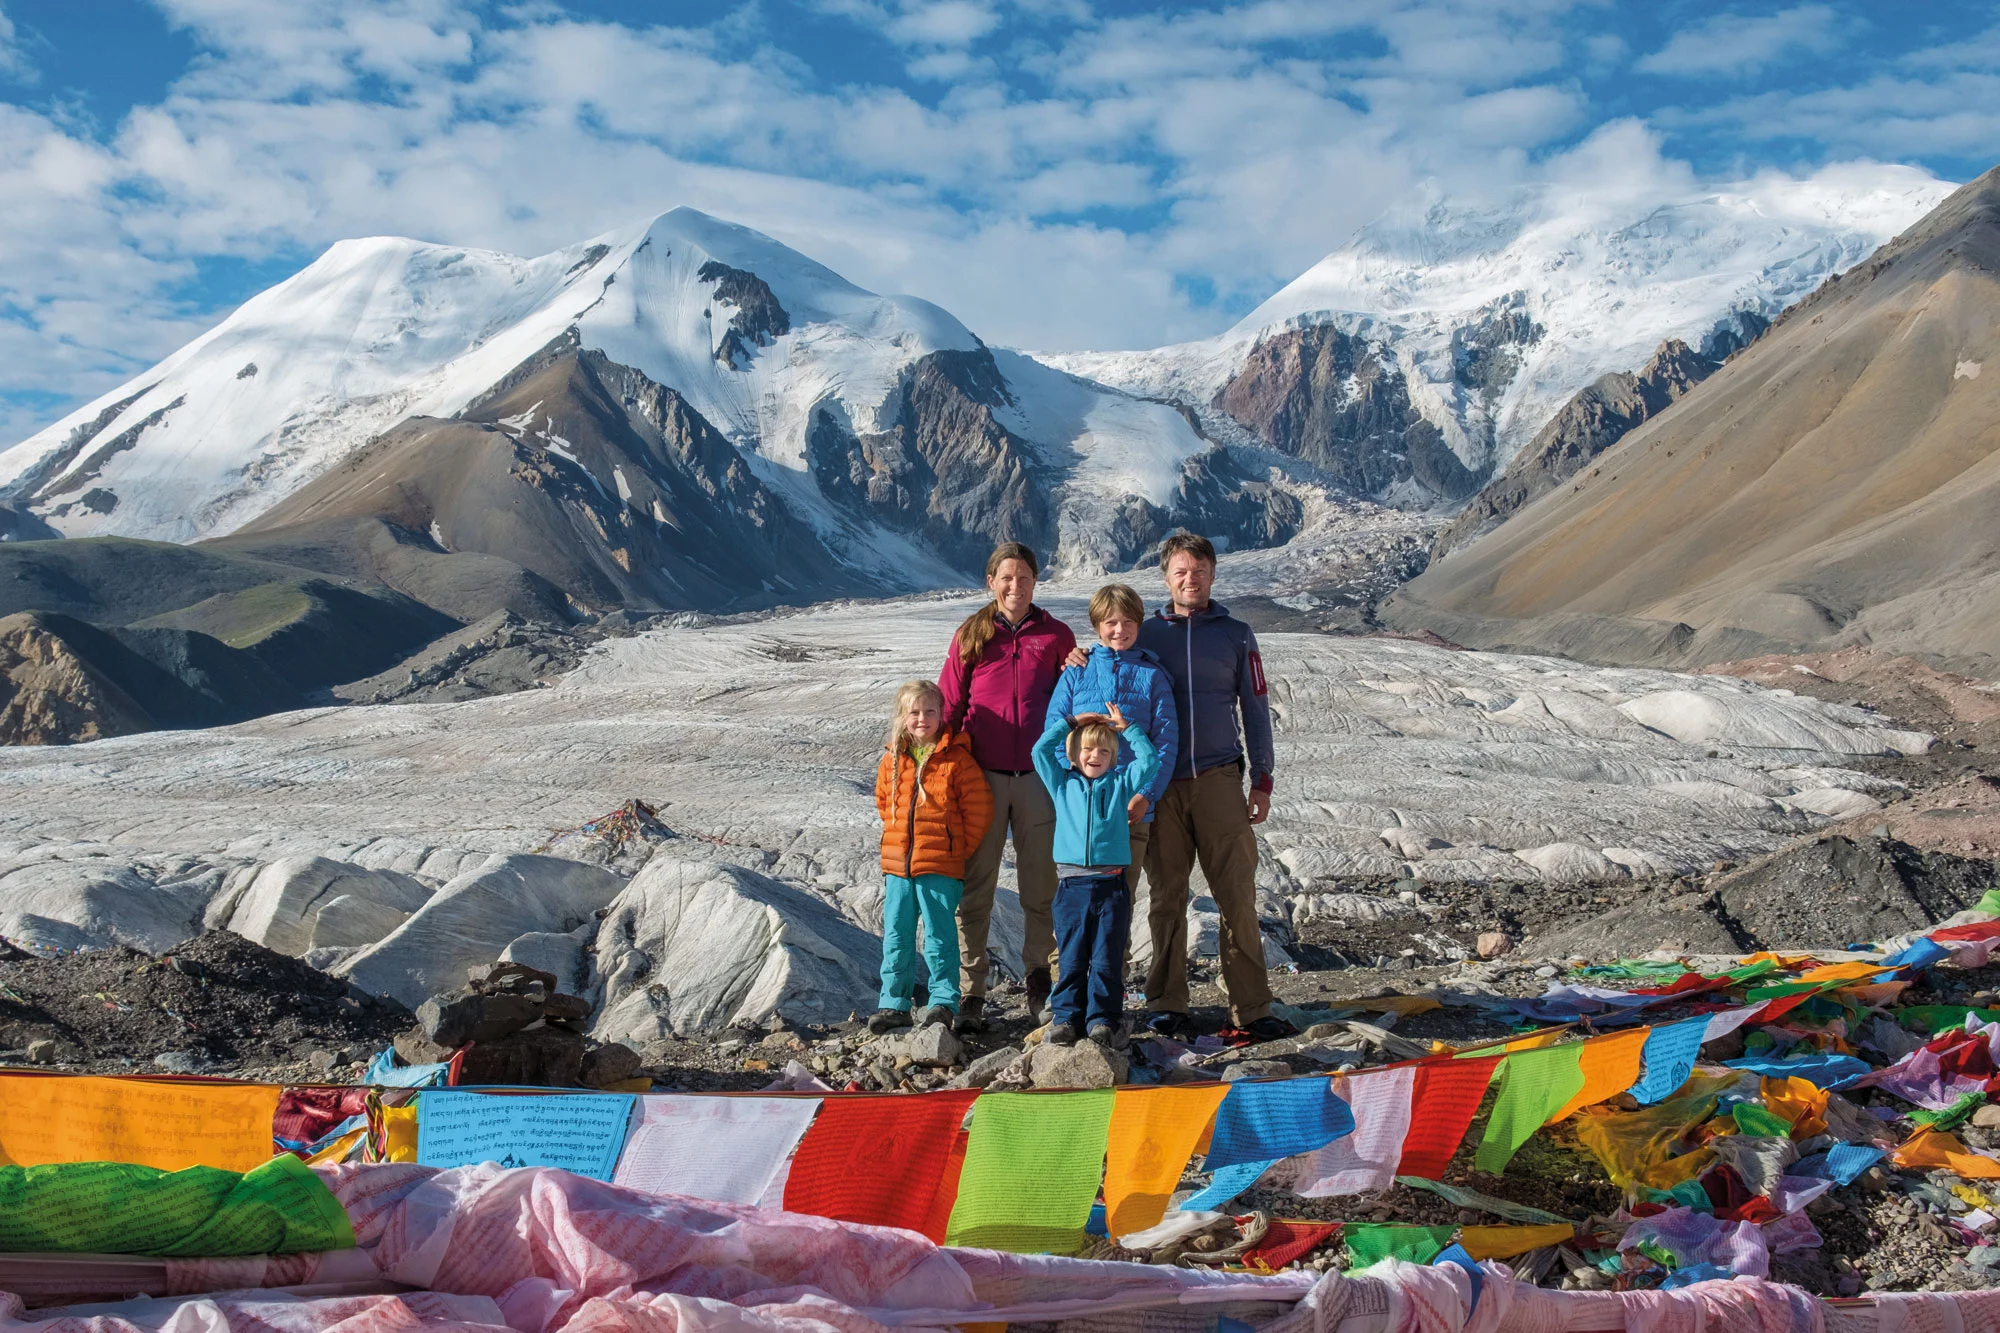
1058,173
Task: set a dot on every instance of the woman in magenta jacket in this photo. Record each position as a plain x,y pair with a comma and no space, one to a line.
998,675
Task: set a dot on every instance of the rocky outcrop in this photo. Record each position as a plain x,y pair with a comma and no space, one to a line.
1595,419
18,524
759,319
1218,495
50,695
947,471
1334,400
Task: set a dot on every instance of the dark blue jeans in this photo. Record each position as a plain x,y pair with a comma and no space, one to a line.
1093,918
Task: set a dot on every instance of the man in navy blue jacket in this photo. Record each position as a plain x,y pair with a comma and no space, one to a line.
1221,704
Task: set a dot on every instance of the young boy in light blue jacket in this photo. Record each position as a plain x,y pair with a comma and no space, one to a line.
1116,671
1093,848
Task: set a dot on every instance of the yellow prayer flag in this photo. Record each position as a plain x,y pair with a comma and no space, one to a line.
399,1133
1797,1100
1854,971
1610,1065
1154,1131
169,1126
1506,1242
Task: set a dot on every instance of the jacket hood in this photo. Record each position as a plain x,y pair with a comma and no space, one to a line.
1212,611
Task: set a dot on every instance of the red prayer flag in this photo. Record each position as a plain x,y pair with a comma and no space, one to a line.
881,1161
304,1115
1286,1241
1977,930
1442,1102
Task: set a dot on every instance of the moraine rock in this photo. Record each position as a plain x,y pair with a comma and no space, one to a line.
1084,1065
695,946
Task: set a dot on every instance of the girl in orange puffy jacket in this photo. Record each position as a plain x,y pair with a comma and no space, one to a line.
935,806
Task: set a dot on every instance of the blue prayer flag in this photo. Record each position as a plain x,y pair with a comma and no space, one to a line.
1261,1122
1821,1069
1667,1059
579,1132
1228,1182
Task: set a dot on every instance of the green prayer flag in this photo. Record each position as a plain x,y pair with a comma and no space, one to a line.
1032,1165
1935,1018
1758,969
1533,1086
1989,902
281,1207
1954,1115
1369,1243
1758,1122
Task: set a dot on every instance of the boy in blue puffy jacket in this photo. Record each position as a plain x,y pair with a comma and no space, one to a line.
1114,671
1093,849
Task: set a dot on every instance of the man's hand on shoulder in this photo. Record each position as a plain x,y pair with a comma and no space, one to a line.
1077,657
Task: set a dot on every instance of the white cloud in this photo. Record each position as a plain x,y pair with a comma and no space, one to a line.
15,66
1737,44
943,23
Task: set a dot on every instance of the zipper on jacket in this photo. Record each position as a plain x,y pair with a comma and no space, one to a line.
1193,772
910,830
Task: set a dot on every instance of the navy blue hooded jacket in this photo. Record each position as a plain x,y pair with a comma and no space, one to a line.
1218,677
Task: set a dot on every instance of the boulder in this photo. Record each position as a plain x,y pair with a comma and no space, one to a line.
473,917
540,1057
1492,944
933,1045
559,954
694,946
280,909
605,1065
988,1067
453,1020
1084,1065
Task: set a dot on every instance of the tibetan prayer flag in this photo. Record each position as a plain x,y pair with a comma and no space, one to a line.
1223,1186
1285,1241
1369,1243
1506,1242
280,1207
1937,1018
1933,1148
1262,1122
938,1220
1153,1133
1366,1159
878,1160
1610,1065
1755,1121
578,1132
1442,1103
1841,1163
1031,1171
47,1119
1668,1059
1853,971
399,1133
1802,1105
725,1149
1822,1069
1533,1086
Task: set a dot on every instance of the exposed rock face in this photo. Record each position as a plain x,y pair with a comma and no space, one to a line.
758,319
49,695
1588,424
1330,398
694,946
18,524
1833,484
590,476
948,471
1218,496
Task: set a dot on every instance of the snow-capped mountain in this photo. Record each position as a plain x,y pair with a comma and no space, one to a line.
1416,360
895,440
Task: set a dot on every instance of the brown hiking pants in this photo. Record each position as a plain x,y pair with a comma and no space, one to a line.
1206,819
1022,805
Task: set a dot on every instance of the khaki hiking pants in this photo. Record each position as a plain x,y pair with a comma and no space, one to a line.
1206,819
1020,805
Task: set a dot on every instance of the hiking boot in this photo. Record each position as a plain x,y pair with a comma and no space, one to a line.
1270,1029
1174,1027
935,1013
888,1020
1039,986
1062,1034
971,1015
1104,1035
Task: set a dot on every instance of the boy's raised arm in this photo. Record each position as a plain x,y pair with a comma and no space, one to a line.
1048,754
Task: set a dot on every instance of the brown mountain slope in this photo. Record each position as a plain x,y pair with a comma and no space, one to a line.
1837,483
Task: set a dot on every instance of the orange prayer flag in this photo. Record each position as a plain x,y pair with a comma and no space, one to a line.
1153,1133
1506,1242
1610,1066
1854,971
169,1126
1930,1147
1797,1101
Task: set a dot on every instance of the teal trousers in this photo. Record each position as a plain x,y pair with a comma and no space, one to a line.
934,900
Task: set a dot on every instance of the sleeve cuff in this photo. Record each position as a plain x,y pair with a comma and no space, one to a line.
1262,782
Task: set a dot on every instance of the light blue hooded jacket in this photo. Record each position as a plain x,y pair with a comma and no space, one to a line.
1091,824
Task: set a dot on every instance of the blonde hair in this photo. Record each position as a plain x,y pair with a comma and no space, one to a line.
976,630
1115,599
1099,734
906,694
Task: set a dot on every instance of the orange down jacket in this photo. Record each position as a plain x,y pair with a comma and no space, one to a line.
933,818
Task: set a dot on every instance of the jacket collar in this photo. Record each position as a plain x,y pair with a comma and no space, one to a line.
945,740
1213,611
1035,616
1132,654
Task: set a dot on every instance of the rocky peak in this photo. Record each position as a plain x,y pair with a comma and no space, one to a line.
759,319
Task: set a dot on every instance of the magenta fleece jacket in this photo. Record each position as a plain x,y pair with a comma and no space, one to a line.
1002,701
